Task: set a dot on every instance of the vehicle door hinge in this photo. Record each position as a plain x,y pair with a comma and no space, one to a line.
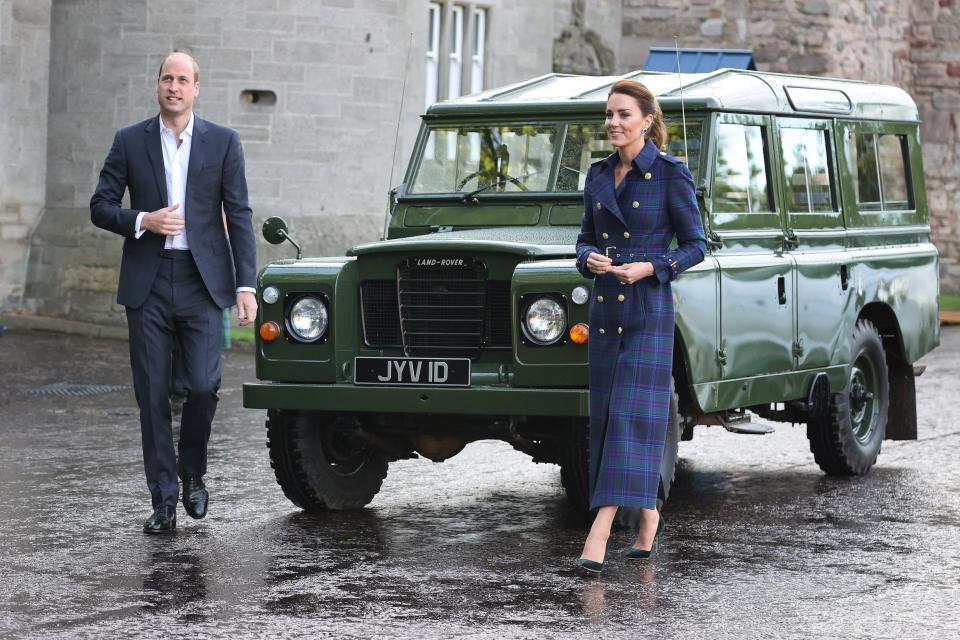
790,239
714,241
798,348
722,356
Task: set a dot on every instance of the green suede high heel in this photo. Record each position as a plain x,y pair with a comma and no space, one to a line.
590,566
634,553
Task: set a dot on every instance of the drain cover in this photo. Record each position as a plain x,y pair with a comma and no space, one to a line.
75,389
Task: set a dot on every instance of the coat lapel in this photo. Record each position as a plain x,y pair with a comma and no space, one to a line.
155,154
602,189
196,151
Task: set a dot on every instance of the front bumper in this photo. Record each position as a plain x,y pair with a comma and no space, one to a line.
494,401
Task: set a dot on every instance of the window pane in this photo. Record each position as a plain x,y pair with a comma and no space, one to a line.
585,144
454,76
893,171
806,166
741,183
864,162
675,144
431,65
505,159
479,48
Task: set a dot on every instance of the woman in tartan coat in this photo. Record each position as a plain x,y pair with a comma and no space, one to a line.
635,202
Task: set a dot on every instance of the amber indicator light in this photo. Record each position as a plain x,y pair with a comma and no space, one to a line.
269,331
579,333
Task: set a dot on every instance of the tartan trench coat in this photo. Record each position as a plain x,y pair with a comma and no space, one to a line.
630,348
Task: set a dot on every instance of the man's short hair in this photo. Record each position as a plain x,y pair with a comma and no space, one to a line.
196,67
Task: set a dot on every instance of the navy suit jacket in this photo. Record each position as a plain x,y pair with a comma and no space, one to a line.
215,183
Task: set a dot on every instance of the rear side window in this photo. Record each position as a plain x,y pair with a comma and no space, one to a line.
879,163
806,165
741,182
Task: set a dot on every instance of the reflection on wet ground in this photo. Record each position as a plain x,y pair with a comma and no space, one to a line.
758,541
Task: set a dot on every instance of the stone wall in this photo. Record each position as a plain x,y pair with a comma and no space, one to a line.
24,60
320,156
934,39
914,45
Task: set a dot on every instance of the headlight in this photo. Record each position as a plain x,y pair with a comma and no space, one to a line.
545,321
308,318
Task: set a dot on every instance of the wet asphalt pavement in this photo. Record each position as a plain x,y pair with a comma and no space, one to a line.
758,542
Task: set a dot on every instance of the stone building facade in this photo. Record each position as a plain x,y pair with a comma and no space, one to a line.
315,89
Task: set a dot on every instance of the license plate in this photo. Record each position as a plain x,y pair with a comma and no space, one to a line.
448,372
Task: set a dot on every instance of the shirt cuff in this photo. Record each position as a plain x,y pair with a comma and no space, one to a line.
247,289
137,231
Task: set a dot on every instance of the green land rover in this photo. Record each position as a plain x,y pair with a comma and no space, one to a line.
818,294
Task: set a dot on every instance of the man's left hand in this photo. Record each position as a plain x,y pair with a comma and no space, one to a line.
246,307
632,271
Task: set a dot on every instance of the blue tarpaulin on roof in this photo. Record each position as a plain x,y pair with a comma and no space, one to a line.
699,60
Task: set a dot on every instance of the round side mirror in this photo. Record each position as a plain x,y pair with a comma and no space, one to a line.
274,230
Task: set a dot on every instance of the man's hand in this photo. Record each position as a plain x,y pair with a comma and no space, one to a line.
165,222
246,307
598,264
632,271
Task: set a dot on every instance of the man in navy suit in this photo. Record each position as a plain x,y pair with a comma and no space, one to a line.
188,253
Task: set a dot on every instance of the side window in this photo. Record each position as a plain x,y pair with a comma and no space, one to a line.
806,166
879,166
584,145
892,150
587,143
675,144
741,182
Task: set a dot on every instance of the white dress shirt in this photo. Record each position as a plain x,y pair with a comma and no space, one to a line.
176,162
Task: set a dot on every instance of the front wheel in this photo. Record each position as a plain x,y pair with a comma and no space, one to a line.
847,440
319,464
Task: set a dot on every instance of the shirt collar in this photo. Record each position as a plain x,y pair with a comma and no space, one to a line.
188,130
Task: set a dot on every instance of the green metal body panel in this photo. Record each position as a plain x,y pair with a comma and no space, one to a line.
773,304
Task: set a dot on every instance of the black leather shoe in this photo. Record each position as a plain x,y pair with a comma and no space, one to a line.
195,496
163,520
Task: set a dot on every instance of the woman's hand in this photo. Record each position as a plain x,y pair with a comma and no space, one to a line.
632,271
599,264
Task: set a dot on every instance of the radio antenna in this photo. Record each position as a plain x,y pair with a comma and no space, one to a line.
396,138
683,111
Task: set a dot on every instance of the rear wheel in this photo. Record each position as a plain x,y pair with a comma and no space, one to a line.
575,459
319,464
846,441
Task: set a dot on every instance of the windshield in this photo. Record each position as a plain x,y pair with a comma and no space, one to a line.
495,158
517,158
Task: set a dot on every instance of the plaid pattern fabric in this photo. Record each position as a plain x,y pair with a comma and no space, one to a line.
631,326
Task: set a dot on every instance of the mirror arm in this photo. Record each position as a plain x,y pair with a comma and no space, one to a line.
283,234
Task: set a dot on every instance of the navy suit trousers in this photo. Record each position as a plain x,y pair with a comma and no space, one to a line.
178,308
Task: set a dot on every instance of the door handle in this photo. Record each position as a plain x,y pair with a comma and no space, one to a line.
782,290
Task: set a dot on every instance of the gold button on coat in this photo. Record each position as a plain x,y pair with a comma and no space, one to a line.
619,330
599,298
602,332
636,204
626,234
599,205
647,175
605,236
621,297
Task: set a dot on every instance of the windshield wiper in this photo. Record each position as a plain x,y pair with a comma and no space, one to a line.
471,197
